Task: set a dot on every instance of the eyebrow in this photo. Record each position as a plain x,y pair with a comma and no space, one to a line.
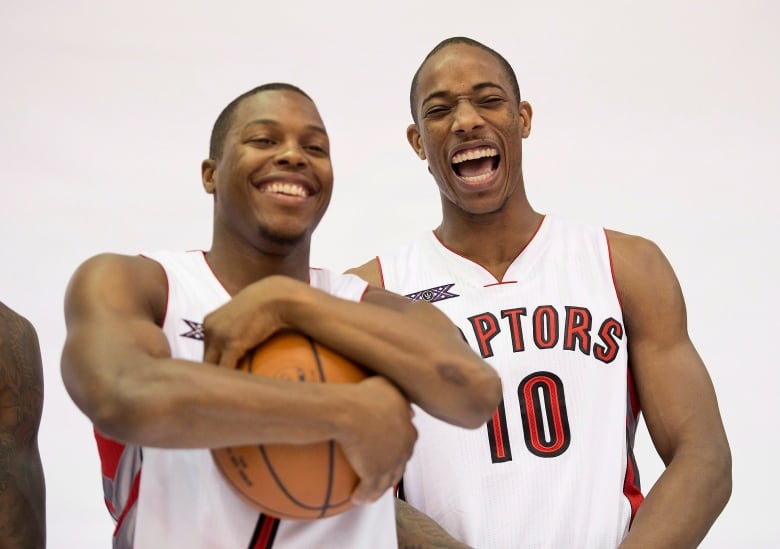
475,87
275,123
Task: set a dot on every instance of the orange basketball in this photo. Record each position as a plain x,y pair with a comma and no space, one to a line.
293,481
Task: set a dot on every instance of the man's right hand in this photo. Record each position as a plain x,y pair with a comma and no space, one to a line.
378,438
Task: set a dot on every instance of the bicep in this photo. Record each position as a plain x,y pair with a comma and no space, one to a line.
369,272
675,390
111,313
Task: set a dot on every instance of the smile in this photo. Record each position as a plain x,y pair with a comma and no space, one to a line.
285,188
476,165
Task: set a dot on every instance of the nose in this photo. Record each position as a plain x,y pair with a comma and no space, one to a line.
466,118
291,154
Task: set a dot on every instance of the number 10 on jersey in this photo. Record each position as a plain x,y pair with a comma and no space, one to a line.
544,419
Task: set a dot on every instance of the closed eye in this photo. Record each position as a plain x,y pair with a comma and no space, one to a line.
317,149
436,111
493,100
264,141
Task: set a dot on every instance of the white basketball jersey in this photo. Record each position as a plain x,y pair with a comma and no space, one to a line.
182,499
554,467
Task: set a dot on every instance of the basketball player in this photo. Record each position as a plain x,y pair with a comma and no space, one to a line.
144,334
22,487
558,308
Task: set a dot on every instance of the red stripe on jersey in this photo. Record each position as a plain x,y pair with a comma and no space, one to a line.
265,532
381,274
110,451
631,486
132,497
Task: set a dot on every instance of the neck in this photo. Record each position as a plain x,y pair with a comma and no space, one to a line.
237,265
494,240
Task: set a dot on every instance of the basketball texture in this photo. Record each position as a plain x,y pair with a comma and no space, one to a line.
293,481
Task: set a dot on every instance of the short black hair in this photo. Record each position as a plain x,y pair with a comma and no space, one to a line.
225,118
470,42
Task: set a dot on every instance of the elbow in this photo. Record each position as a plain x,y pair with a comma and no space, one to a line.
112,417
113,412
487,396
722,473
477,398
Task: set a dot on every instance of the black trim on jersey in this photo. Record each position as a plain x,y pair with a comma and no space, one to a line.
399,492
265,532
546,330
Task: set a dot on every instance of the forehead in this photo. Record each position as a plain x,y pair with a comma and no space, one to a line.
286,108
458,68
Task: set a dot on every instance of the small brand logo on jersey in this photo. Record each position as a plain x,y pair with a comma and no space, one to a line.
439,293
195,330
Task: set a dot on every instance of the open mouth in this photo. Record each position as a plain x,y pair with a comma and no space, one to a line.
476,165
285,188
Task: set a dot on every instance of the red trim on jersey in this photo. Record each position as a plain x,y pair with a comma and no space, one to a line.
132,497
612,270
206,261
381,274
265,533
631,487
167,287
500,283
480,264
110,451
631,490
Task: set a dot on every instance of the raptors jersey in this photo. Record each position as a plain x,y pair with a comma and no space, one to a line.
554,467
178,498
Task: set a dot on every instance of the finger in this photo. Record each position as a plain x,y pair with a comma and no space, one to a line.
211,354
229,358
365,492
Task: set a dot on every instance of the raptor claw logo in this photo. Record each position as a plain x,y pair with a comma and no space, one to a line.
432,295
195,330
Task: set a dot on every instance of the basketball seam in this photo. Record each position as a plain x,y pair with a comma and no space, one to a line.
331,449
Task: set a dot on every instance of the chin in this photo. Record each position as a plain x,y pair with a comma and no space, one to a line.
282,238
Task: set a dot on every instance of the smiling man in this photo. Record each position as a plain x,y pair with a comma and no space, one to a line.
558,308
146,333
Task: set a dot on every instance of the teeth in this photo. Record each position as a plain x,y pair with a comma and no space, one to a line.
285,188
477,178
474,154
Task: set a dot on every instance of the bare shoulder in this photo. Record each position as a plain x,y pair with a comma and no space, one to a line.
653,303
120,265
20,353
369,272
14,325
120,281
639,266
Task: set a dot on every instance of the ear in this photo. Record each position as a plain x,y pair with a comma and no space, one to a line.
207,169
415,140
526,112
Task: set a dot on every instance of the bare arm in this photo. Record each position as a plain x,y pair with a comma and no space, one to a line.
22,489
417,530
413,344
677,399
118,369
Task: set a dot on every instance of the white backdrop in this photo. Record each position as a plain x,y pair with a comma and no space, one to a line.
657,118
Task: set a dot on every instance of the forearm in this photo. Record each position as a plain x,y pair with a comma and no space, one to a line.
179,404
414,345
417,530
683,504
22,498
